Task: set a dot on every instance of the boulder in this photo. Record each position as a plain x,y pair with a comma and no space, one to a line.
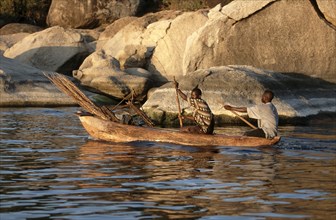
23,86
133,56
90,14
113,29
54,49
155,42
171,46
102,74
296,95
133,45
15,28
90,38
89,35
328,10
260,34
7,41
255,33
134,32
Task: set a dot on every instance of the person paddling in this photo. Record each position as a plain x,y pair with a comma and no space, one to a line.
266,114
202,114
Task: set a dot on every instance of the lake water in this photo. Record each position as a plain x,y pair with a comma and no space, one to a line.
51,170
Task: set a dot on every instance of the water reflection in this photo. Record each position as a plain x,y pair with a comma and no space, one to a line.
252,178
56,173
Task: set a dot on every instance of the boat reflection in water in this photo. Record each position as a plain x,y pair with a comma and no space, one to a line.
49,170
179,181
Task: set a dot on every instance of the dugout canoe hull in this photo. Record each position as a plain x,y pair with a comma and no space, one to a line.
115,132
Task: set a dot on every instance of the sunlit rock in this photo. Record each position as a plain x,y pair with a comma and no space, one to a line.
7,41
284,36
296,95
53,49
23,86
102,74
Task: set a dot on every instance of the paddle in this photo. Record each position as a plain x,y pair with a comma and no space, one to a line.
243,119
179,107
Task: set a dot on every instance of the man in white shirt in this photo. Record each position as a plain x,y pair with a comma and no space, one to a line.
266,114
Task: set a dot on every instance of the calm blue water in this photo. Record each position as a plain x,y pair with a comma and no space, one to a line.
51,170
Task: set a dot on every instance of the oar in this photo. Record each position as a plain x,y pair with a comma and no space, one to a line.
243,119
179,107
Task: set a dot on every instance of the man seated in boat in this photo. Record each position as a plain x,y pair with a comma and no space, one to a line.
266,114
202,114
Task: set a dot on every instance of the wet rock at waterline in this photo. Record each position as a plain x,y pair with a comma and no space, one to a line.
141,53
296,95
23,86
276,35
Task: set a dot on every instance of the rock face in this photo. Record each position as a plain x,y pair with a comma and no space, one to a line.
112,30
7,41
54,49
213,48
89,14
24,86
265,34
295,95
133,45
15,28
255,33
170,47
327,8
106,77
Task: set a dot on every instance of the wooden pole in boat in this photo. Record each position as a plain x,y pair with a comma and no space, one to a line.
243,119
178,105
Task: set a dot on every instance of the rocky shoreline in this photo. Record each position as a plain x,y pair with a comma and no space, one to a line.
231,52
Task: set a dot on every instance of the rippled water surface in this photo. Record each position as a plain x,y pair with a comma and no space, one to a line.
51,170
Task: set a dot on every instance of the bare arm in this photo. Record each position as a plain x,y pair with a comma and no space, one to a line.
188,117
238,109
183,96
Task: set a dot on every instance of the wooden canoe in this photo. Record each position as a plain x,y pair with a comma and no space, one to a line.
115,132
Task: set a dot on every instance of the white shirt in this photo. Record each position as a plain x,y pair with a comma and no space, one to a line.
267,116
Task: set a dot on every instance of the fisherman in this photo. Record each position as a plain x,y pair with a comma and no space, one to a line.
202,114
266,114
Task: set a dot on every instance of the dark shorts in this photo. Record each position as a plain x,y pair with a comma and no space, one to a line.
211,127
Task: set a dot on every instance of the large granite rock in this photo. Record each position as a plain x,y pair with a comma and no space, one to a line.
53,49
133,45
140,32
14,28
328,10
104,75
255,33
112,30
140,53
7,41
23,86
167,57
281,35
296,95
90,14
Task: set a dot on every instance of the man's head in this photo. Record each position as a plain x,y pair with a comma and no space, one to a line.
267,96
196,93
